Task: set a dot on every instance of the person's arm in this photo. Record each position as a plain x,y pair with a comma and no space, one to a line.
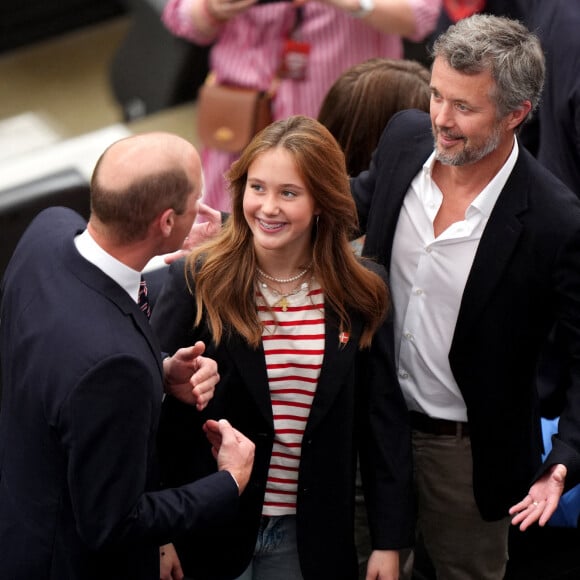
234,453
362,188
107,426
561,468
384,448
413,19
190,377
201,21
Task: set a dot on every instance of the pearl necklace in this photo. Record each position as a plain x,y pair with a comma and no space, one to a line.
284,280
282,301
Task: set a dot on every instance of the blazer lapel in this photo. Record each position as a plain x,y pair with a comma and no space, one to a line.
100,282
392,184
335,367
251,365
495,248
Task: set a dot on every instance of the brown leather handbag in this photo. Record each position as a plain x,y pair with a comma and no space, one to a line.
228,117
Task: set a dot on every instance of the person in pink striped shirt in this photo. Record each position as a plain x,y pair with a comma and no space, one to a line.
296,323
249,39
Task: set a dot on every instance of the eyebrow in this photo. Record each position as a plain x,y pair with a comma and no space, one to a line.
279,185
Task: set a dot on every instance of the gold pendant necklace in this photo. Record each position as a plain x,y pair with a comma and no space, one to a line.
283,301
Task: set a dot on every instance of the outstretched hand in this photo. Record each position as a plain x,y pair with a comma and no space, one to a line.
542,499
207,225
233,451
190,377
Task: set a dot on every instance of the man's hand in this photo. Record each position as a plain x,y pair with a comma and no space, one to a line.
542,499
233,451
190,377
383,565
169,565
206,226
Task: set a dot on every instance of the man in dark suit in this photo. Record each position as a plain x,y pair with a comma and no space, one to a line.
83,381
483,248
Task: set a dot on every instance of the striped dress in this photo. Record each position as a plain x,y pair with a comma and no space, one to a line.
293,340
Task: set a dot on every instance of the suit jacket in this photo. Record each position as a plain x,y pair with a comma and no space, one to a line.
525,276
358,403
82,395
557,23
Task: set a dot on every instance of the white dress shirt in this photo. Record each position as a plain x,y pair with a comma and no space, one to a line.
428,276
126,277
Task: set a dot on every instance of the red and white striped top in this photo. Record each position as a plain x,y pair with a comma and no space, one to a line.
294,348
248,50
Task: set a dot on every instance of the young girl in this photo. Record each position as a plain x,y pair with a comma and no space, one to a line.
295,322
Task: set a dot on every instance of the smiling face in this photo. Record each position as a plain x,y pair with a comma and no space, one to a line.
464,117
278,207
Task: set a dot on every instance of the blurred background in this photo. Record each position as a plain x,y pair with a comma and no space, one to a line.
69,67
76,75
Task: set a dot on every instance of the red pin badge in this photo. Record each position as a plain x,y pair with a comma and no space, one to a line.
343,337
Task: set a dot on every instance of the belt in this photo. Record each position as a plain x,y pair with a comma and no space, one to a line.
426,424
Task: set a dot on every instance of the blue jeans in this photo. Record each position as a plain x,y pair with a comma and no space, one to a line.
276,553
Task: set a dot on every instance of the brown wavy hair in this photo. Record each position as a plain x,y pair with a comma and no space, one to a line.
363,99
224,269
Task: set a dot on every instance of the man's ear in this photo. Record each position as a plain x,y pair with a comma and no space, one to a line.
518,116
166,222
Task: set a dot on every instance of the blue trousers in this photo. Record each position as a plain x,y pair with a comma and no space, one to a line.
276,553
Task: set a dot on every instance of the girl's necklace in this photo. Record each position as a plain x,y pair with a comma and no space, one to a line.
282,301
284,280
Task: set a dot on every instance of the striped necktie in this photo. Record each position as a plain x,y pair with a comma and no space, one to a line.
143,301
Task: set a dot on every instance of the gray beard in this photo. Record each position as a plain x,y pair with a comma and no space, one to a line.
468,156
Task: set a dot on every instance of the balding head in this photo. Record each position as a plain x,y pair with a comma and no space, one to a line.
139,177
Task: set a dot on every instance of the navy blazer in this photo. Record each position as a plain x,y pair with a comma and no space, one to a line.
525,277
82,380
358,403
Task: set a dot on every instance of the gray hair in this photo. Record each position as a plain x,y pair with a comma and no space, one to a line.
512,54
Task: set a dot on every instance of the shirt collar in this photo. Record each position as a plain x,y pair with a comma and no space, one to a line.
489,195
126,277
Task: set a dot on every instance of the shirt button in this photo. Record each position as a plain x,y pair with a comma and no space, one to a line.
428,250
408,336
418,292
403,375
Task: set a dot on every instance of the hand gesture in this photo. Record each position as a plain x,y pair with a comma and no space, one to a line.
233,451
207,225
190,377
542,499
